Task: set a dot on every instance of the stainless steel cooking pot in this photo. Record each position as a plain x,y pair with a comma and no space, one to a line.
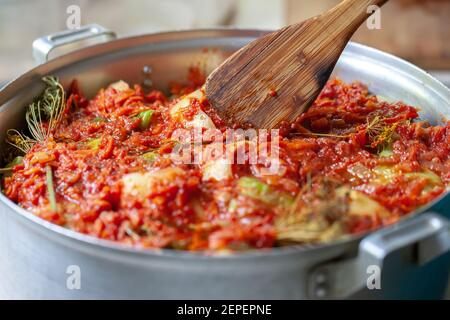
42,260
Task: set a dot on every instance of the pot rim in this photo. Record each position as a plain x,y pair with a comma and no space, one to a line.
89,52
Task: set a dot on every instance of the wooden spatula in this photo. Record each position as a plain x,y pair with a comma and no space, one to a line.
276,78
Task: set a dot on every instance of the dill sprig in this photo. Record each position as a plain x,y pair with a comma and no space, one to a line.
380,134
47,108
374,128
43,116
19,140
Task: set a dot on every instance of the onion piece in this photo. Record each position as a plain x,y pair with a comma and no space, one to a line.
217,170
142,184
200,119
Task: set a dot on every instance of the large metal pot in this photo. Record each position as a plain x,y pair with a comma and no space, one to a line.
42,260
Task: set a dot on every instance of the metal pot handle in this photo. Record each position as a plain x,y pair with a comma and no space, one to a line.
44,45
406,245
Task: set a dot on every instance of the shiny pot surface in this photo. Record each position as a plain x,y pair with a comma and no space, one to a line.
42,260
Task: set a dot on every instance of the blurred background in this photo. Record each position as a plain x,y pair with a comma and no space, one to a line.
22,21
417,30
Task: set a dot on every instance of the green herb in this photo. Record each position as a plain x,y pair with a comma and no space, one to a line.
146,117
94,144
150,156
50,188
18,140
258,190
381,134
49,106
100,119
6,171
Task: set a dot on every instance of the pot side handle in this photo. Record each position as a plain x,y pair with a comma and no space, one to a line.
390,252
42,47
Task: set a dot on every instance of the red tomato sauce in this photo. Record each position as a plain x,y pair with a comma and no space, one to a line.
346,136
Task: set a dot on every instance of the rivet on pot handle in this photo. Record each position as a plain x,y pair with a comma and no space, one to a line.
393,250
44,45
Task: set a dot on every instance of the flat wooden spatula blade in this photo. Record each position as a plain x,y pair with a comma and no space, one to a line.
276,78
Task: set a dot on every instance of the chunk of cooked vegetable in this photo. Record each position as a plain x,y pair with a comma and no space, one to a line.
254,188
150,156
428,175
184,103
217,170
199,120
120,86
143,184
360,204
385,174
386,152
146,118
325,217
94,144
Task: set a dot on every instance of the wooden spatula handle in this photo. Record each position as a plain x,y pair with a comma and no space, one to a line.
350,14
